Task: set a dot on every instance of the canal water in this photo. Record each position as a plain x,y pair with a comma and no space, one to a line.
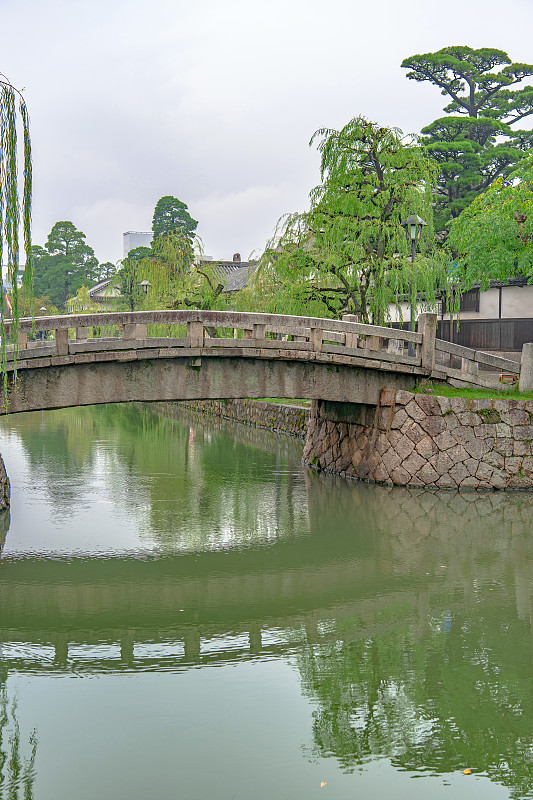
186,612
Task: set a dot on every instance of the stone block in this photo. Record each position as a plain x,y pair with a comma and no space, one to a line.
387,397
484,430
470,483
476,448
382,444
426,447
444,440
499,479
519,482
414,411
463,434
405,447
403,397
484,472
399,418
357,457
503,431
427,474
472,465
450,421
503,446
415,432
459,404
482,402
428,404
521,448
527,464
400,475
446,482
381,474
394,437
457,453
444,404
459,472
391,461
523,432
433,425
513,464
413,463
494,459
441,463
516,417
469,418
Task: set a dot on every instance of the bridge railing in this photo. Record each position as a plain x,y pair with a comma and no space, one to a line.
174,332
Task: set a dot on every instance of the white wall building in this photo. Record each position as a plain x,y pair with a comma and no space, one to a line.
133,239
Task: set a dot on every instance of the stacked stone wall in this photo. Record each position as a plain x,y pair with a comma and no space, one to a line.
421,440
278,417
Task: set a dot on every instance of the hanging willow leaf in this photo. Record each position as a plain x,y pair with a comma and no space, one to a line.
15,204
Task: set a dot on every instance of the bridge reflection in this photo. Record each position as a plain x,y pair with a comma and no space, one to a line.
405,559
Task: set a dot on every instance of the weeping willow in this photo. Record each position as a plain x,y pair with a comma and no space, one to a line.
171,277
349,253
15,202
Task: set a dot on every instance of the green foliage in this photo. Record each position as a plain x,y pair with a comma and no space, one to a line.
475,145
349,252
494,235
64,264
82,303
106,270
170,216
174,279
15,208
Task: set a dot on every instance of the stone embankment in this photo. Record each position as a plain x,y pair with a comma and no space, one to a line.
4,487
279,417
421,440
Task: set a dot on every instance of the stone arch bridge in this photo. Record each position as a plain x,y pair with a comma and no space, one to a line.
147,356
347,368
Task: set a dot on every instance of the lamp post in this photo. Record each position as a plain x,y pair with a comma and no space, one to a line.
43,312
145,285
413,227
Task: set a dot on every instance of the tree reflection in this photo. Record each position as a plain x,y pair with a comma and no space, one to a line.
455,692
17,768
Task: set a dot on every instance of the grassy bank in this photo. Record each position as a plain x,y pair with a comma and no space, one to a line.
451,391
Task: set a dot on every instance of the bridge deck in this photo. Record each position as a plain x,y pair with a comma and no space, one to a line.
192,334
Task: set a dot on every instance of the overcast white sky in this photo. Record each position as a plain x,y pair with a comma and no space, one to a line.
215,101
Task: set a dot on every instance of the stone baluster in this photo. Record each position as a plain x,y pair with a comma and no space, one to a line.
469,366
372,342
195,332
134,330
23,340
316,338
81,333
427,326
351,338
62,341
525,383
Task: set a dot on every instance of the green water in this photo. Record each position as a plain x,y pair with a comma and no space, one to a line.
185,612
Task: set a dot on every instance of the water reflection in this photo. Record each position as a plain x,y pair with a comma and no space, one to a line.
407,613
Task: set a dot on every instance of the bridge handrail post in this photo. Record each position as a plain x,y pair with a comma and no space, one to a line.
134,330
81,333
62,341
317,339
427,326
195,332
525,382
351,338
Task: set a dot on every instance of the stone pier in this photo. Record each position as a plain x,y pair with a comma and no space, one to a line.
420,440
